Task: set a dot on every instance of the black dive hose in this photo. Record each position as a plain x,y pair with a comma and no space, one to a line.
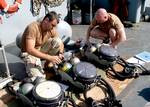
9,88
101,82
109,101
69,100
129,70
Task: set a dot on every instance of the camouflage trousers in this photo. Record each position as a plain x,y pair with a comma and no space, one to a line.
34,66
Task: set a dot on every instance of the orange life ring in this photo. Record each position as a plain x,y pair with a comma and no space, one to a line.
10,8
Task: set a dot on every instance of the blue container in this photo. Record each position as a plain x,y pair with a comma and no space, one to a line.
102,4
134,9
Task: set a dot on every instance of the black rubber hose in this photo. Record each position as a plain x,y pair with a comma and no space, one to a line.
70,100
127,72
9,88
111,98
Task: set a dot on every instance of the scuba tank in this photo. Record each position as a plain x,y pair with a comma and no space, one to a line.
75,60
65,67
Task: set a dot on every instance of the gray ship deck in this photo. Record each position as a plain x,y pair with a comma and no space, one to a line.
136,94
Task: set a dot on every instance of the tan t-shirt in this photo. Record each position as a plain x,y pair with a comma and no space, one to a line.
113,22
33,31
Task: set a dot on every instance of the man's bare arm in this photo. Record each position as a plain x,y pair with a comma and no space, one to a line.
88,32
121,37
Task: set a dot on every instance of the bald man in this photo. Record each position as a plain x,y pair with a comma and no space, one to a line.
107,27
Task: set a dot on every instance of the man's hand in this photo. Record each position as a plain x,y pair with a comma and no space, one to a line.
55,59
113,45
61,56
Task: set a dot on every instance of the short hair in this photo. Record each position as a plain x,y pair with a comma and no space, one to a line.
51,16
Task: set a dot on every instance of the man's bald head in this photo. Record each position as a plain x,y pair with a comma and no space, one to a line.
101,15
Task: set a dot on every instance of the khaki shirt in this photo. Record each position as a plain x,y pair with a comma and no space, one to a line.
33,31
113,22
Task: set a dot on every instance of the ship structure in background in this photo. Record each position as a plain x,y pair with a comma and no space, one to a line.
5,8
25,13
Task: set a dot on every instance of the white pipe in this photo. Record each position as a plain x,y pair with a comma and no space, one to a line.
91,6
